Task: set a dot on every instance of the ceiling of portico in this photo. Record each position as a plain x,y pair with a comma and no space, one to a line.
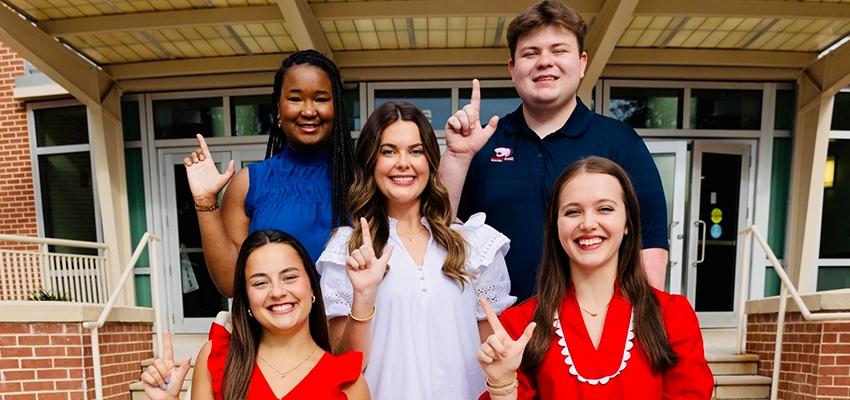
140,39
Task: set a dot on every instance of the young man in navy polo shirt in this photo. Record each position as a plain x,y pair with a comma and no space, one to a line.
507,167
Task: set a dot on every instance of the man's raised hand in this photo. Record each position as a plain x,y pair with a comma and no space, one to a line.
464,134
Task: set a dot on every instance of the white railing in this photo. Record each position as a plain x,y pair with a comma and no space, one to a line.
147,240
75,277
787,286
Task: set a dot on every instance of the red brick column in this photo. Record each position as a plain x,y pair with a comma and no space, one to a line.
815,355
17,195
53,360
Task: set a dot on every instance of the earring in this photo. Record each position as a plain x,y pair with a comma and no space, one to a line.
250,313
278,122
314,298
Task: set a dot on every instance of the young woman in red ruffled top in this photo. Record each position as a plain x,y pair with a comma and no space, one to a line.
278,346
595,329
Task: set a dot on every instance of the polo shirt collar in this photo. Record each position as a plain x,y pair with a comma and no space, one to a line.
575,126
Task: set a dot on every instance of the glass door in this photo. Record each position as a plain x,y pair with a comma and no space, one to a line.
719,209
670,157
192,297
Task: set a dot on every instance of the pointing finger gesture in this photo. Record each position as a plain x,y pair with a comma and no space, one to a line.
205,181
500,355
365,269
464,133
163,380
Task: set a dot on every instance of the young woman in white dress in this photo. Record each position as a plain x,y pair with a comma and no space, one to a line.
402,285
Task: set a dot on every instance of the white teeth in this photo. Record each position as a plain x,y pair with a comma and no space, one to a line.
282,307
589,242
402,179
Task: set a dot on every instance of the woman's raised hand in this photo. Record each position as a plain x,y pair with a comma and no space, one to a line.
365,270
205,181
499,355
163,380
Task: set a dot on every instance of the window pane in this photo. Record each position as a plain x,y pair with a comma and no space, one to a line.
183,118
130,120
841,112
136,201
835,222
436,104
61,126
779,183
725,109
786,107
351,98
251,115
494,101
830,278
67,199
647,108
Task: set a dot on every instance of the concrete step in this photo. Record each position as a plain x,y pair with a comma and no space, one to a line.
732,364
741,387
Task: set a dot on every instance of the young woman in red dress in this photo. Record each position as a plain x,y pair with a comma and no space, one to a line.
595,329
278,346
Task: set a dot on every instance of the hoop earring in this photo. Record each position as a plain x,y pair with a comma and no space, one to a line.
250,313
314,298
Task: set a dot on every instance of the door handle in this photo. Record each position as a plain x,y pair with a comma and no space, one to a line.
702,235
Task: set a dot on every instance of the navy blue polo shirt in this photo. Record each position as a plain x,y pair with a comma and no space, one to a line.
510,179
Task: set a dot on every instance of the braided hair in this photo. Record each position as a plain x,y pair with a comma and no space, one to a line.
343,156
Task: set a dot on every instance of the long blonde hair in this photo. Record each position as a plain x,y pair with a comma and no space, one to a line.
365,200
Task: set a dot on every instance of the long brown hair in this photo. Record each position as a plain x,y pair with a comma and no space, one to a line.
365,200
245,338
554,278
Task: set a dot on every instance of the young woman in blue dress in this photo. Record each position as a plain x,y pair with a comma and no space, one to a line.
301,186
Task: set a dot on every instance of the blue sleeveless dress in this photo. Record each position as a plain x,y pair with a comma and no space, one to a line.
291,192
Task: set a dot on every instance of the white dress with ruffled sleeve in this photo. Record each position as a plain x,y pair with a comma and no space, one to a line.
425,330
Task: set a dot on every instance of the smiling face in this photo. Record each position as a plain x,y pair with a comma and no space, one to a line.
306,106
279,292
547,67
401,166
592,221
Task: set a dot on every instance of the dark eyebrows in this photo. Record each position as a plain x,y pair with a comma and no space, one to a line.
264,275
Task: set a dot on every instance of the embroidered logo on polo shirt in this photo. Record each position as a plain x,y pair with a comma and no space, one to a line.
502,154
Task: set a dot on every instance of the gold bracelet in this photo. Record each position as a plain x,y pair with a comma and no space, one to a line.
502,390
500,386
209,208
372,314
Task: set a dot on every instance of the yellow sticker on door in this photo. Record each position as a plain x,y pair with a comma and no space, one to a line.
716,215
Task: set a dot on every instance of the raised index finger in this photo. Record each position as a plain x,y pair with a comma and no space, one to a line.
492,318
168,351
367,236
203,143
475,101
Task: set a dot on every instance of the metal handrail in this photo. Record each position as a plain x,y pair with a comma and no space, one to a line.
53,241
786,286
146,239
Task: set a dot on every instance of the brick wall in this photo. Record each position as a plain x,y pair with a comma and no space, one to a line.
17,195
53,360
815,355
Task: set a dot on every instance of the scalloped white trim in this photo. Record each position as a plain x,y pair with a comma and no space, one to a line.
568,359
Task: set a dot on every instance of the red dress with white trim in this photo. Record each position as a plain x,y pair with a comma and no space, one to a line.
324,381
618,369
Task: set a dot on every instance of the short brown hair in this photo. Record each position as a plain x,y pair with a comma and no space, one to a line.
545,13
